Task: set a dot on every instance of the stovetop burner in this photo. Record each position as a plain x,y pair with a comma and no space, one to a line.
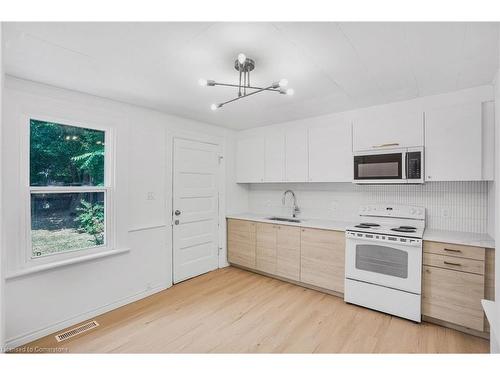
367,225
404,229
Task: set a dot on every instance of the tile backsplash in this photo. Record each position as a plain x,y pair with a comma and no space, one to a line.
457,206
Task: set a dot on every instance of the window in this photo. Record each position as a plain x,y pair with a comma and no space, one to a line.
68,190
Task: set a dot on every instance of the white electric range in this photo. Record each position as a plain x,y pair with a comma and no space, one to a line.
383,260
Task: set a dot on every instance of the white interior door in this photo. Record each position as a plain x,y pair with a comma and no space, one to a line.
195,208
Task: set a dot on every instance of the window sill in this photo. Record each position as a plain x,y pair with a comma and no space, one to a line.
63,263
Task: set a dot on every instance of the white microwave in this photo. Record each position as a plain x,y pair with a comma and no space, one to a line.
395,166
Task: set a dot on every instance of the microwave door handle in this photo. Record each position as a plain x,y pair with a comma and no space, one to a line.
404,166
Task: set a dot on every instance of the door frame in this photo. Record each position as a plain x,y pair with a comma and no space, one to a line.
218,141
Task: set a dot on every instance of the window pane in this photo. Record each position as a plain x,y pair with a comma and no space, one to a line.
62,155
66,221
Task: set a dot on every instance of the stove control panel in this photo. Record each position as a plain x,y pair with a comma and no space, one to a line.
383,238
397,211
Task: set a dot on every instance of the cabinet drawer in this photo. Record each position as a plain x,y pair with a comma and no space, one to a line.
454,263
453,296
461,251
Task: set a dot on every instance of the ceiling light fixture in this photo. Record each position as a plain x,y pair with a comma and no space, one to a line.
244,66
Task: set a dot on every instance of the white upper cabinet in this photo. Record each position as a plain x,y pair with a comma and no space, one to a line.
458,144
453,143
330,153
391,130
274,157
250,159
296,155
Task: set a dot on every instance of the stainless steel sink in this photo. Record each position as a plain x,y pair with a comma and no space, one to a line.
290,220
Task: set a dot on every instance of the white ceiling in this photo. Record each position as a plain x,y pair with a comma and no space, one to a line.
332,66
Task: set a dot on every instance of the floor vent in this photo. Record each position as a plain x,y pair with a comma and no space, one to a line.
77,330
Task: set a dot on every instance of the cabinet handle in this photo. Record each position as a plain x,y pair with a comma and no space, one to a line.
453,250
386,145
452,264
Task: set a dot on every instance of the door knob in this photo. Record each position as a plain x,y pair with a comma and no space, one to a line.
177,212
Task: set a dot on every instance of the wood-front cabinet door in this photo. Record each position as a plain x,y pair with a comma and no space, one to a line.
266,248
453,296
241,242
322,258
288,252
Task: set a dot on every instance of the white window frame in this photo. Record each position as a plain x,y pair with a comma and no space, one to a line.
27,258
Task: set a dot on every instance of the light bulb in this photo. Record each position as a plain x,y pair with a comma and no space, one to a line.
214,107
283,82
290,91
242,58
202,82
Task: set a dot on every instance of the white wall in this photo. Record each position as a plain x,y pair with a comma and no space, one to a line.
40,303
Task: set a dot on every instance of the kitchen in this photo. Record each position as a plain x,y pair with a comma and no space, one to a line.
409,171
236,187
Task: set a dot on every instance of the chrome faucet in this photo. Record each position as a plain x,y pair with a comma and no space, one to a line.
295,209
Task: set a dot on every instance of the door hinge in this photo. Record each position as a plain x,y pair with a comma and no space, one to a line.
220,158
219,250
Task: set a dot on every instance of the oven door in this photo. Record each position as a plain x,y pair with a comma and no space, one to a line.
387,264
381,167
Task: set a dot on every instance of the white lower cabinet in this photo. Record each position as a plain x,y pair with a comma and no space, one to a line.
330,153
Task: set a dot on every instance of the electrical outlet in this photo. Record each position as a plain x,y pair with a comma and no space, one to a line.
445,212
150,196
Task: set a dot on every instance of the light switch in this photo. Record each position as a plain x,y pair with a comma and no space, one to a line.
150,196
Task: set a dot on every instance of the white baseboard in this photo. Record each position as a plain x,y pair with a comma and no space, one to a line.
14,342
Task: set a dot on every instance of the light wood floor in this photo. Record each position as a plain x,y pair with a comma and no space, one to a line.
235,311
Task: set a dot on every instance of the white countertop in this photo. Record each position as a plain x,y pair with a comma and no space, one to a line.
459,238
305,223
